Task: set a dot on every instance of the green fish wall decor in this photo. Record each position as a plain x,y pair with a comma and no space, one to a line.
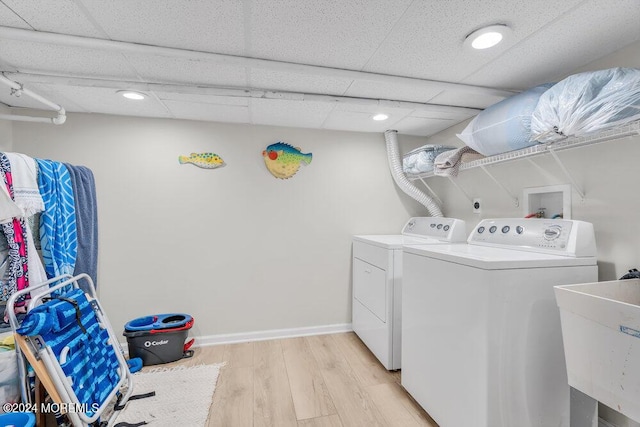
284,160
203,160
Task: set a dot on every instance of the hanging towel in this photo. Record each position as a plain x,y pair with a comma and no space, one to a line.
448,163
28,199
8,209
25,184
15,234
84,191
58,239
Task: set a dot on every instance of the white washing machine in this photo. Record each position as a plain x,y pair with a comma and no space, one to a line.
481,336
377,281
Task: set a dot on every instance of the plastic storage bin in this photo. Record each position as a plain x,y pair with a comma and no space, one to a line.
159,338
18,419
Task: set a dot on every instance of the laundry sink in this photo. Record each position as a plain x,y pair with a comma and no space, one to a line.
601,335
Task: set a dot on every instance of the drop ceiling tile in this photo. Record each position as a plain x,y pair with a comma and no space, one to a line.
9,19
296,82
106,101
341,34
52,93
542,58
38,57
209,112
194,72
46,91
359,119
56,16
443,114
395,91
205,25
470,100
423,127
278,112
428,42
372,108
22,101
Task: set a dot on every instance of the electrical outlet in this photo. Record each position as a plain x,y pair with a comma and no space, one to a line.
477,206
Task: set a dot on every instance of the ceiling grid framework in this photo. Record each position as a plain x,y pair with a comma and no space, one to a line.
359,56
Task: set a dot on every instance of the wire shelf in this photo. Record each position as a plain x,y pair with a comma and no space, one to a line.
619,132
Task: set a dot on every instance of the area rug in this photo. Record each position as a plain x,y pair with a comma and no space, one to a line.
183,396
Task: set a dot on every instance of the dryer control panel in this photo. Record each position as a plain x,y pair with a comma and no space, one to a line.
556,236
445,229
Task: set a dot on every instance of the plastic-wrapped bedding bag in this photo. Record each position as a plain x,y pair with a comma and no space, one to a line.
504,126
587,102
421,159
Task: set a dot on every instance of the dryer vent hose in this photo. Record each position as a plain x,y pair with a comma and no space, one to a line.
395,165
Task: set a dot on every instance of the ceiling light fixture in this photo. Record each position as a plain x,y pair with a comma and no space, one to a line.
380,117
487,37
130,94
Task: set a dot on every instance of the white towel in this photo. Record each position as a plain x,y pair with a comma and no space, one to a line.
448,163
8,209
25,184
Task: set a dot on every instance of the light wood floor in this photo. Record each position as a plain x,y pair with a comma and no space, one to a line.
317,381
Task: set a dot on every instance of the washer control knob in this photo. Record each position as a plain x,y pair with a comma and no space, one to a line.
439,226
493,229
552,232
433,225
411,224
446,228
506,229
480,230
519,229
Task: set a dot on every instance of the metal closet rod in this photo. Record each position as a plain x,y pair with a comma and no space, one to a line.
18,89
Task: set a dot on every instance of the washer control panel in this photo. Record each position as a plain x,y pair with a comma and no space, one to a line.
564,237
444,229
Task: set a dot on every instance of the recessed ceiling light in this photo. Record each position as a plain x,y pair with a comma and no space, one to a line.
130,94
380,117
486,37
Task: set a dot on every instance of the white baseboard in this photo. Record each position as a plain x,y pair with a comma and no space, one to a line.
271,334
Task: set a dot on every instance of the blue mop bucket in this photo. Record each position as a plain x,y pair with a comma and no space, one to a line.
18,419
159,338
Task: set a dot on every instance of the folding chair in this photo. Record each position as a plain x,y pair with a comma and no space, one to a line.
69,342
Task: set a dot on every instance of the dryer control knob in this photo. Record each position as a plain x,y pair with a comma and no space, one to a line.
552,232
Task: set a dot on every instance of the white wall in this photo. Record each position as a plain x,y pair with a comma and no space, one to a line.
235,247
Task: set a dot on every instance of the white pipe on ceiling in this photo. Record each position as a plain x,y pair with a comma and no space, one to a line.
18,89
241,61
236,92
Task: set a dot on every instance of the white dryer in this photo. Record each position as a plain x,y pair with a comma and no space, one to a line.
377,281
481,336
